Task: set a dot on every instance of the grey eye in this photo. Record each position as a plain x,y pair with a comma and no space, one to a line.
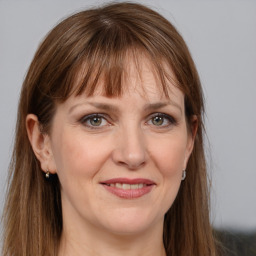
157,120
162,120
95,121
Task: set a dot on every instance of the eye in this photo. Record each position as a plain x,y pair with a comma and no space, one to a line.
162,120
94,121
158,120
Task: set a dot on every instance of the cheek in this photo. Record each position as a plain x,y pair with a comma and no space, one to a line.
78,161
169,155
78,155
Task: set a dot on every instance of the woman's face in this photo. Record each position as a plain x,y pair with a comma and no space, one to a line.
120,160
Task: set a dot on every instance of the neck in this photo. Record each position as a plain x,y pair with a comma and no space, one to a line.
100,242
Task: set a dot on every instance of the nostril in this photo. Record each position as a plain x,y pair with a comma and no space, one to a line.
135,165
132,165
130,151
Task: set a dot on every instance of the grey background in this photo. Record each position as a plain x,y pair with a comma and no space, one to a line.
222,38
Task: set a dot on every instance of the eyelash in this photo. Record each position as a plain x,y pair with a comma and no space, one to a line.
87,118
104,118
170,120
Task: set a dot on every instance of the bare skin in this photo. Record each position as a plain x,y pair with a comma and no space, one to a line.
140,135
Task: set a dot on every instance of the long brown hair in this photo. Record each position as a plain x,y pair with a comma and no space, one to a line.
82,49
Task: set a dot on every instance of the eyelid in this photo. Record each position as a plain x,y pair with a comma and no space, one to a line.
89,116
170,119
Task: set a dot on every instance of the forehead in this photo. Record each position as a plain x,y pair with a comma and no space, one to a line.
141,86
138,73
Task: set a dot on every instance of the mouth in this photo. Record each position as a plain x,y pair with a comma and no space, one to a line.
128,188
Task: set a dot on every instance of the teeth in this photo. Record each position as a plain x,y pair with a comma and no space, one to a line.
141,185
127,186
119,185
135,186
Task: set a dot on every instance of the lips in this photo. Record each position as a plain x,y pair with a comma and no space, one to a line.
128,188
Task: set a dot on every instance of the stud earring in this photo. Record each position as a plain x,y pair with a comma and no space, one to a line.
183,175
47,175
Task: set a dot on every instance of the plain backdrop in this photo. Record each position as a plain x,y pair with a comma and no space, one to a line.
222,38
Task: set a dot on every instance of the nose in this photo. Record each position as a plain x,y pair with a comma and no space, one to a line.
130,149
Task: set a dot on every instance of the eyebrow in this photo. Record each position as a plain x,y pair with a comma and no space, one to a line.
159,105
104,106
110,107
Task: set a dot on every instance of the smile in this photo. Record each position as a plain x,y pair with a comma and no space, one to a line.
127,186
128,189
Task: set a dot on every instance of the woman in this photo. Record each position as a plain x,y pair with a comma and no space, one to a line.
108,157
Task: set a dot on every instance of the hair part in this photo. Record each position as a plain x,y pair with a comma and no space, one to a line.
88,47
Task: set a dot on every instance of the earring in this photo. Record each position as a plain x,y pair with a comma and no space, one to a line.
183,175
47,175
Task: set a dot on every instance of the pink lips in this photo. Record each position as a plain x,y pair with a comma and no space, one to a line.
128,188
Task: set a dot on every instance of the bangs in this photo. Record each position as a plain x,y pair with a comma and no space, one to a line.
96,49
110,74
106,71
105,55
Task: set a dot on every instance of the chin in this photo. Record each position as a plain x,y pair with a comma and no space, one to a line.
131,222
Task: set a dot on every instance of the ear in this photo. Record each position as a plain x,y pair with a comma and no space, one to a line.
40,143
192,130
